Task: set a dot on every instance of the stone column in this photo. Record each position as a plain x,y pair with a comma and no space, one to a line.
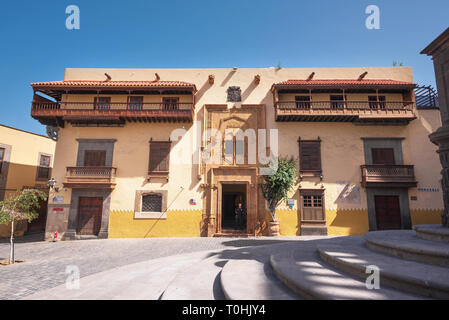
439,50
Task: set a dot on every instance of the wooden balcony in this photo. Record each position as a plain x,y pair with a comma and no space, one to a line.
56,113
90,177
396,112
388,176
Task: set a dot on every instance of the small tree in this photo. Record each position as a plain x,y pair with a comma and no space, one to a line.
276,186
22,205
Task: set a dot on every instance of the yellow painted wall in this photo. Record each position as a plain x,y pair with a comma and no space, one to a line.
426,216
24,155
179,223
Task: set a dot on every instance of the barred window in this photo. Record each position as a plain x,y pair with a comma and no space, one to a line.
152,203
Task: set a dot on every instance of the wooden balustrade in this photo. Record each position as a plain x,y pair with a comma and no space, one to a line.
88,112
400,112
90,177
345,105
391,175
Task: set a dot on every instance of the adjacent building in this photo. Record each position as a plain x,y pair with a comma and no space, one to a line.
171,152
26,161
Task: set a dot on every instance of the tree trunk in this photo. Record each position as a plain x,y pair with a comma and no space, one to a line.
11,244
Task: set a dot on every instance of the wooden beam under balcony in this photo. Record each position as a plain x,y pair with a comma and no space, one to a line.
55,113
90,177
393,176
399,112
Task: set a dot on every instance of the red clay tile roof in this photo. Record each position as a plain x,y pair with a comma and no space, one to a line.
112,84
344,82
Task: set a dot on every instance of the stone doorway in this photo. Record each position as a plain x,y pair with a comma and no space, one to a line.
232,195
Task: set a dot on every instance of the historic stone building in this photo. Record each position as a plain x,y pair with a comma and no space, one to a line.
170,153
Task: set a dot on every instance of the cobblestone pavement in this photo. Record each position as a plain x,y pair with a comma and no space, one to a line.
45,263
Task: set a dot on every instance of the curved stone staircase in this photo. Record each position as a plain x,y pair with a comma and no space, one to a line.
411,267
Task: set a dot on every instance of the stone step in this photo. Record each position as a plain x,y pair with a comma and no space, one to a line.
432,232
353,256
253,280
199,281
145,280
406,245
304,272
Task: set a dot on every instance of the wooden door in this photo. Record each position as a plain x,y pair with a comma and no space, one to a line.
388,212
89,215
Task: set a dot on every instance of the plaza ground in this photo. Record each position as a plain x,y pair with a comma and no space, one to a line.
45,263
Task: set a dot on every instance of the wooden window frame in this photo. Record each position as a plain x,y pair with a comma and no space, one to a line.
41,168
159,173
312,193
85,164
303,104
383,149
310,172
377,102
170,103
140,104
337,104
97,103
2,159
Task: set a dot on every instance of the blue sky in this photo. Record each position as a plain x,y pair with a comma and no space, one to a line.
36,46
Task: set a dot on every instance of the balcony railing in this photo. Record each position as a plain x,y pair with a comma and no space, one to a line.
91,112
388,175
90,177
344,110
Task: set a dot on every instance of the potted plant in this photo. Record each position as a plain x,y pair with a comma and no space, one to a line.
276,188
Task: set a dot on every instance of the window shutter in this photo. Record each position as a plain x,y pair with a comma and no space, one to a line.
310,156
159,157
95,158
383,156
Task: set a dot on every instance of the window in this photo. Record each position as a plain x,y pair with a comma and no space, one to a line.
312,208
95,158
170,103
2,157
302,102
310,157
135,103
159,158
337,102
375,104
43,171
383,156
102,103
152,203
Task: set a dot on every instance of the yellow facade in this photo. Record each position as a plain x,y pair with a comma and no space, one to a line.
20,164
342,151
